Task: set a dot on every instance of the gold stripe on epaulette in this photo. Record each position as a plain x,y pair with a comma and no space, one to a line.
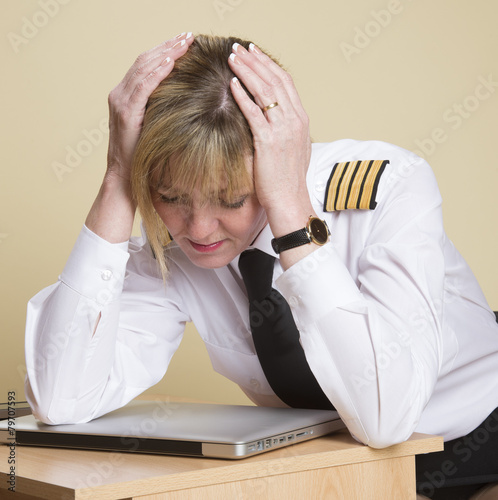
353,184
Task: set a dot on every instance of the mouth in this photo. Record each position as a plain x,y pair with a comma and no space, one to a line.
211,247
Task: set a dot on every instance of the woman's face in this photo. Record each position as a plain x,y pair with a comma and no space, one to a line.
211,233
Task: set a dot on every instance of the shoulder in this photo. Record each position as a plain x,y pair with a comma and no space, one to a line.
341,171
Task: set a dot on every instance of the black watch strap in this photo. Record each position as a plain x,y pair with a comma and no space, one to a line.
291,240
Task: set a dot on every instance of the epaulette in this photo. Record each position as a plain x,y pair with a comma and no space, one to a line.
353,184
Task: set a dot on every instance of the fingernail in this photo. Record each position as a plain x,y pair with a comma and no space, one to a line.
178,44
234,59
236,82
189,34
166,61
180,35
254,49
235,46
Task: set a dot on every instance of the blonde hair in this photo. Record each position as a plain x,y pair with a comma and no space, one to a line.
194,135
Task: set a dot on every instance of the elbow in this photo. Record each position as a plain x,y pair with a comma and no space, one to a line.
53,417
386,434
52,412
384,440
56,418
386,425
37,408
378,434
40,411
43,417
378,440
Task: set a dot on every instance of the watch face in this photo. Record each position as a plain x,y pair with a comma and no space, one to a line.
319,231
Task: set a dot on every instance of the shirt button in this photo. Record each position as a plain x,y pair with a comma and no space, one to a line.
254,383
293,301
106,275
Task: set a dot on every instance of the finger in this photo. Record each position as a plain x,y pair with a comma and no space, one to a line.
172,43
142,72
251,111
285,77
143,88
136,89
149,60
265,86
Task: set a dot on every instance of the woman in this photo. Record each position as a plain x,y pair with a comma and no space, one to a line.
210,139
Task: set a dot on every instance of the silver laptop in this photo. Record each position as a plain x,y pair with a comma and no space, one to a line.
189,429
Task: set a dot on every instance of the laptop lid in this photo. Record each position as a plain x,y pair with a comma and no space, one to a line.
190,429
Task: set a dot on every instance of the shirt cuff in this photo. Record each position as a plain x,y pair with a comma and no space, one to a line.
96,268
316,284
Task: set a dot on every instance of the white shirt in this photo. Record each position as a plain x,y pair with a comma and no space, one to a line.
394,325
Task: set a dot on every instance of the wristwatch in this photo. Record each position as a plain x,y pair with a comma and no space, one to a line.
316,231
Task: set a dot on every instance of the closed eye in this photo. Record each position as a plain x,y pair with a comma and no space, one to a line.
236,204
166,199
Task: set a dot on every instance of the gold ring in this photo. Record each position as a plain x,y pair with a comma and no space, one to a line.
272,105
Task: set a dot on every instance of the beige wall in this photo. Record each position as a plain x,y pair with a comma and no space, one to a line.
371,69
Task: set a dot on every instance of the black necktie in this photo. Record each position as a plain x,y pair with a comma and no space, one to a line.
276,336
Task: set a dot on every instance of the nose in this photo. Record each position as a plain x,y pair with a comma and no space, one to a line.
202,223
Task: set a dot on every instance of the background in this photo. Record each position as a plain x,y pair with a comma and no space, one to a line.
417,73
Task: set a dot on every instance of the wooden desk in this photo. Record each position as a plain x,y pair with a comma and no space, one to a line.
331,467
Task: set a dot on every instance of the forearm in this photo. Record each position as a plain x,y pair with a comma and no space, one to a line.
66,357
113,211
376,368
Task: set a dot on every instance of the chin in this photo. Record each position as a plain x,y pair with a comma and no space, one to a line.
210,261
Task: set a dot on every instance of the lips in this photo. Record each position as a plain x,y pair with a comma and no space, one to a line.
211,247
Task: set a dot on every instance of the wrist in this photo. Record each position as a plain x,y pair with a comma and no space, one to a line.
289,219
113,179
113,211
316,231
296,238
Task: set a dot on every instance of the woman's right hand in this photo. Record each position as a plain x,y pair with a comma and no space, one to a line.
113,212
127,101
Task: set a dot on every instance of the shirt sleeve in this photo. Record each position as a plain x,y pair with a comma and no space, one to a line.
363,336
102,334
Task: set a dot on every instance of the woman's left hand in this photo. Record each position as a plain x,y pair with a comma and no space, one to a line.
282,145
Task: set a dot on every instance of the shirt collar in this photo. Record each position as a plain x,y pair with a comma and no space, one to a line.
262,242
